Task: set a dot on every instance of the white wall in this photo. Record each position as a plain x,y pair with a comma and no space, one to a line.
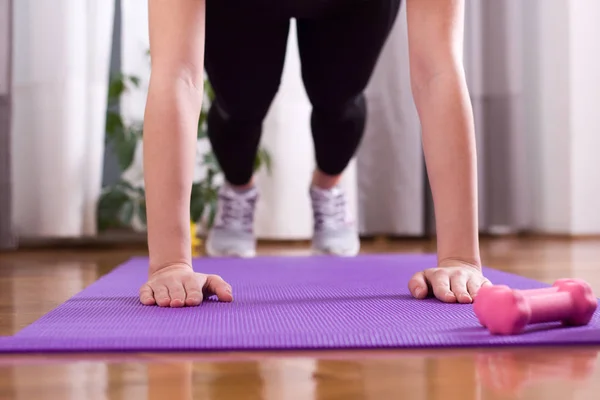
584,108
134,58
562,93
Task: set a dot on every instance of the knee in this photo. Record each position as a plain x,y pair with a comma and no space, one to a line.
239,112
352,108
233,123
238,105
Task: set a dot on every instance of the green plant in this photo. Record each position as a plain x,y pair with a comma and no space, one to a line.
123,205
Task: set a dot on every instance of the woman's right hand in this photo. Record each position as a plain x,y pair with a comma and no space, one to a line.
178,285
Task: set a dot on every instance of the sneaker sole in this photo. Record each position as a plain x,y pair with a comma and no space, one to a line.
349,253
211,252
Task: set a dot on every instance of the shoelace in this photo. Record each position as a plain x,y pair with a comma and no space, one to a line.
329,211
237,213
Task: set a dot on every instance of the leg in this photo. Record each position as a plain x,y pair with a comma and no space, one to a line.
245,54
339,52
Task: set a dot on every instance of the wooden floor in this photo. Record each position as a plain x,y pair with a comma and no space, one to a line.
34,282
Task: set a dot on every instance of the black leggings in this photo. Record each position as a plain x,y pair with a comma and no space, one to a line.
339,44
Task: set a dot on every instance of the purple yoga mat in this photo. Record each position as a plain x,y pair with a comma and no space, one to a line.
281,303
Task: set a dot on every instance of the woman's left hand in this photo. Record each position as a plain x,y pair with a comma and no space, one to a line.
452,282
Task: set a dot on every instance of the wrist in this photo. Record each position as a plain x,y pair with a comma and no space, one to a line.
169,249
473,262
158,267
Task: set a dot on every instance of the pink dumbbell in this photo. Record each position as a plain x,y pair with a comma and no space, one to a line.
487,292
504,311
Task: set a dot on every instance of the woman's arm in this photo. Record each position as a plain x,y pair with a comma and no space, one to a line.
170,125
435,32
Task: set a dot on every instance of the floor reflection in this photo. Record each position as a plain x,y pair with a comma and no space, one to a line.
432,375
512,373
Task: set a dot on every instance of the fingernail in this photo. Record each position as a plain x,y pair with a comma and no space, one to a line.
450,294
418,292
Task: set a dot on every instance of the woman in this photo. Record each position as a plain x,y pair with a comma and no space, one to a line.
339,33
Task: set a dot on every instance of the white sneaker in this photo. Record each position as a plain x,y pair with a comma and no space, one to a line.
334,229
233,232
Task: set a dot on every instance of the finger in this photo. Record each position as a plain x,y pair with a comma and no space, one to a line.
458,285
418,286
215,285
176,293
475,284
193,291
147,295
161,295
440,283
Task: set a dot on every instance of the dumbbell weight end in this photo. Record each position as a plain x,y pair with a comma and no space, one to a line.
507,312
573,304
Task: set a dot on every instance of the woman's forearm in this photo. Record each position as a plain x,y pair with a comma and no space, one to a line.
448,133
170,126
170,131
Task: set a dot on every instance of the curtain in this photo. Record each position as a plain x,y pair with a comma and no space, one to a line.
390,165
61,63
394,196
7,239
494,68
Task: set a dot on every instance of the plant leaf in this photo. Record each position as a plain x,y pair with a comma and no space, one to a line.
266,156
197,202
210,94
136,130
262,158
196,189
134,80
114,125
126,213
212,214
210,160
141,209
109,206
208,89
126,186
116,87
125,150
197,206
202,132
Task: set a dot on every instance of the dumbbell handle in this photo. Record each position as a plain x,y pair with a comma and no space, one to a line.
527,294
550,307
538,292
547,290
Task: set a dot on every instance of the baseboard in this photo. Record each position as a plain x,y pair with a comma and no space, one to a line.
126,239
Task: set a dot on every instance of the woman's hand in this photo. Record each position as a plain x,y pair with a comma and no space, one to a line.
178,285
452,281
